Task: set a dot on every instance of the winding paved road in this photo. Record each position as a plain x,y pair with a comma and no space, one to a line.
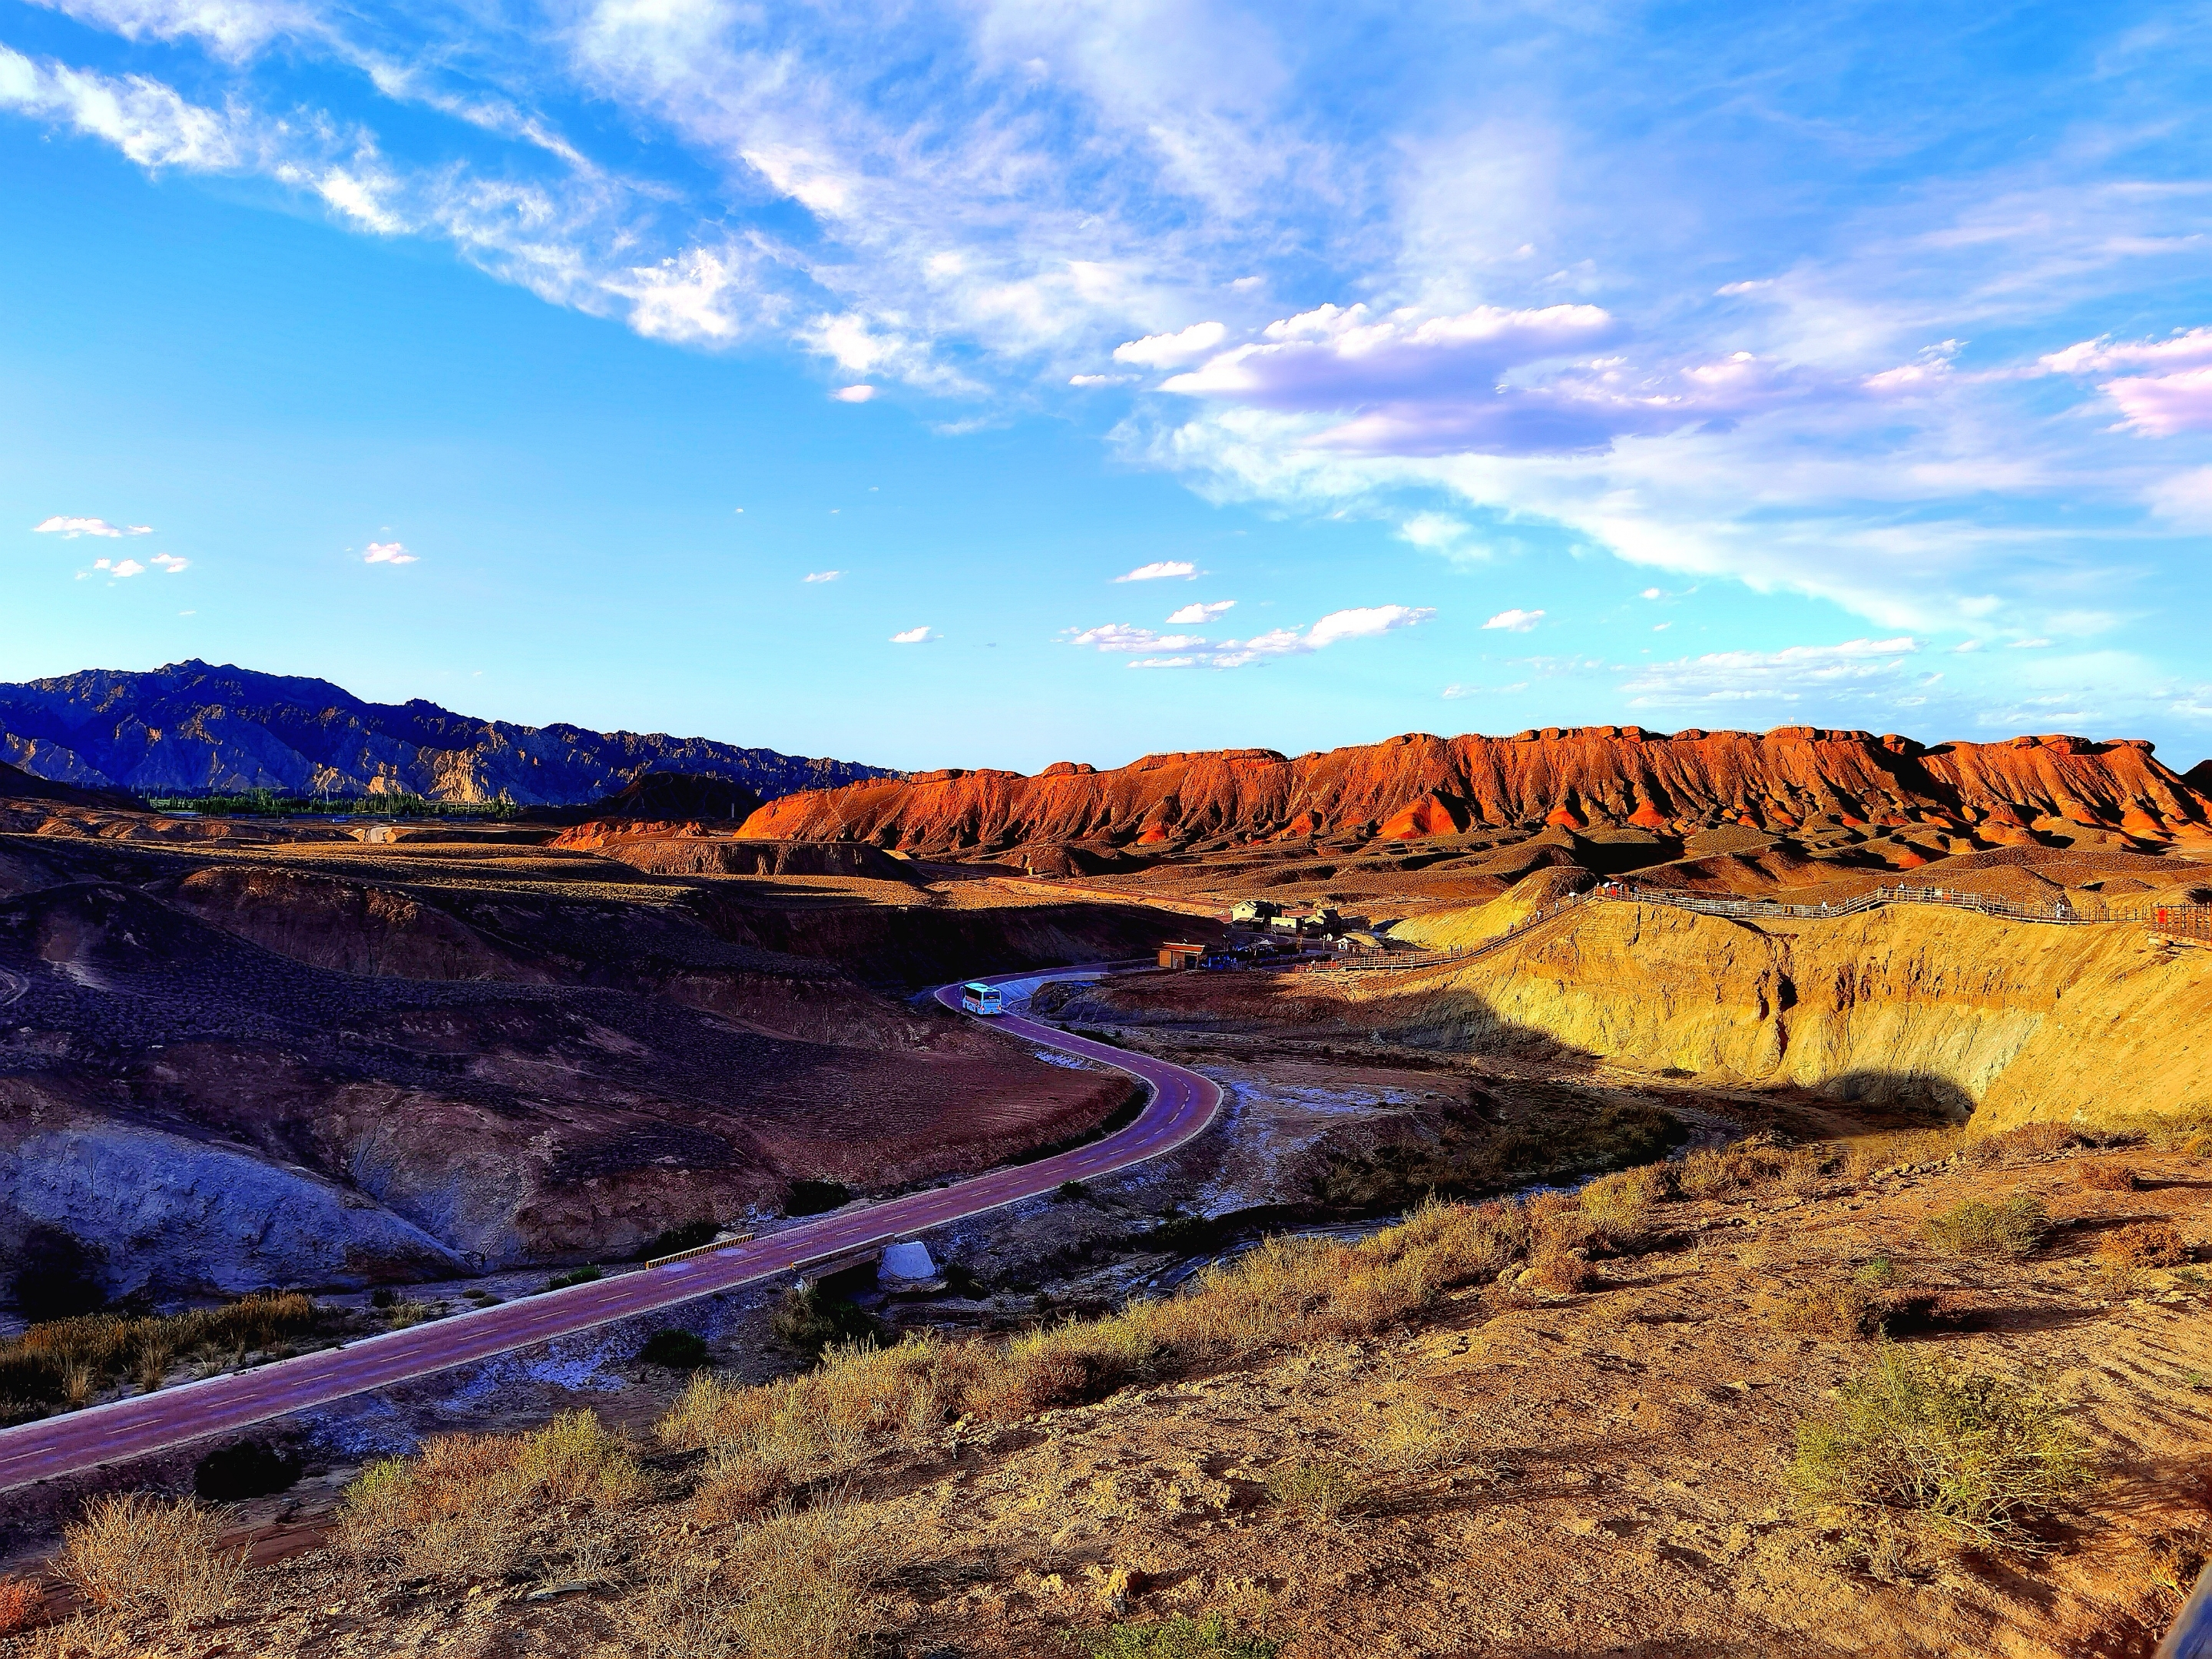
1182,1103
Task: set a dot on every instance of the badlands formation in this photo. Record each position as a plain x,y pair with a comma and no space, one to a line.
415,1066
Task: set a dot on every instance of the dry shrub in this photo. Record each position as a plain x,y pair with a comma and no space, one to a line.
1320,1489
1564,1271
1615,1210
2029,1141
2109,1177
21,1603
738,1485
2012,1228
1835,1309
1973,1456
1741,1166
2188,1132
2144,1245
799,1584
470,1505
137,1555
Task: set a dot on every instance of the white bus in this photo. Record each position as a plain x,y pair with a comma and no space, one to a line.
978,998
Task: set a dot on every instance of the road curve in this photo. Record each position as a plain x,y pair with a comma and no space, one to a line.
1182,1103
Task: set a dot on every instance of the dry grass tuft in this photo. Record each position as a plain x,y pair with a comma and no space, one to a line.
1320,1489
2109,1177
799,1584
1413,1438
2012,1228
139,1556
2144,1245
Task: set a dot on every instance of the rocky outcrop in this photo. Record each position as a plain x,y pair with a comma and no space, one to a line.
171,1217
192,729
688,849
666,795
1417,786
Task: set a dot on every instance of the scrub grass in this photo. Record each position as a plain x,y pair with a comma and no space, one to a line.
1975,1457
67,1361
2014,1227
139,1556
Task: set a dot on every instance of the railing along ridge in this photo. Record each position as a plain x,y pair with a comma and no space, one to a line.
2180,921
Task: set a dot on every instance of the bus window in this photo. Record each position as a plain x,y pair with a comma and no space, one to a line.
978,999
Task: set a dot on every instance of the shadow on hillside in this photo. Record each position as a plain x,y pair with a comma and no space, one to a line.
1917,1094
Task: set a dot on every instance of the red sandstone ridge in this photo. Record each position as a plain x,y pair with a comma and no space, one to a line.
1417,785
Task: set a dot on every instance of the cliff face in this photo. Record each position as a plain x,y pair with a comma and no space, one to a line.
2011,1021
1417,785
192,728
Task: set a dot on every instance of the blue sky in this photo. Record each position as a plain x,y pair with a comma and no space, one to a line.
1127,376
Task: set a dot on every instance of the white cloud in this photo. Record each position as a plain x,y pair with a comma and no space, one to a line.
1158,570
912,636
171,563
2160,405
1123,636
1201,614
1362,624
822,575
1165,662
70,529
2029,645
1090,380
854,394
1856,668
386,553
1651,593
120,567
1516,622
1172,350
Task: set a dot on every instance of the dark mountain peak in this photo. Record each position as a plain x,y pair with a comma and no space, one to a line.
193,728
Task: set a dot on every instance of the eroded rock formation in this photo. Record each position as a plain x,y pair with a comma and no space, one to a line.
1417,785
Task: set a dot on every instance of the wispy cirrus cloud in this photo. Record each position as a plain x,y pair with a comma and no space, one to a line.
1194,651
1160,571
1855,668
70,529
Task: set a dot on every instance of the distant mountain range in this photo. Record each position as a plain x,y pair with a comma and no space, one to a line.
193,728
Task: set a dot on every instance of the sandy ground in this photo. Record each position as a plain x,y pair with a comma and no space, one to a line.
1614,1484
